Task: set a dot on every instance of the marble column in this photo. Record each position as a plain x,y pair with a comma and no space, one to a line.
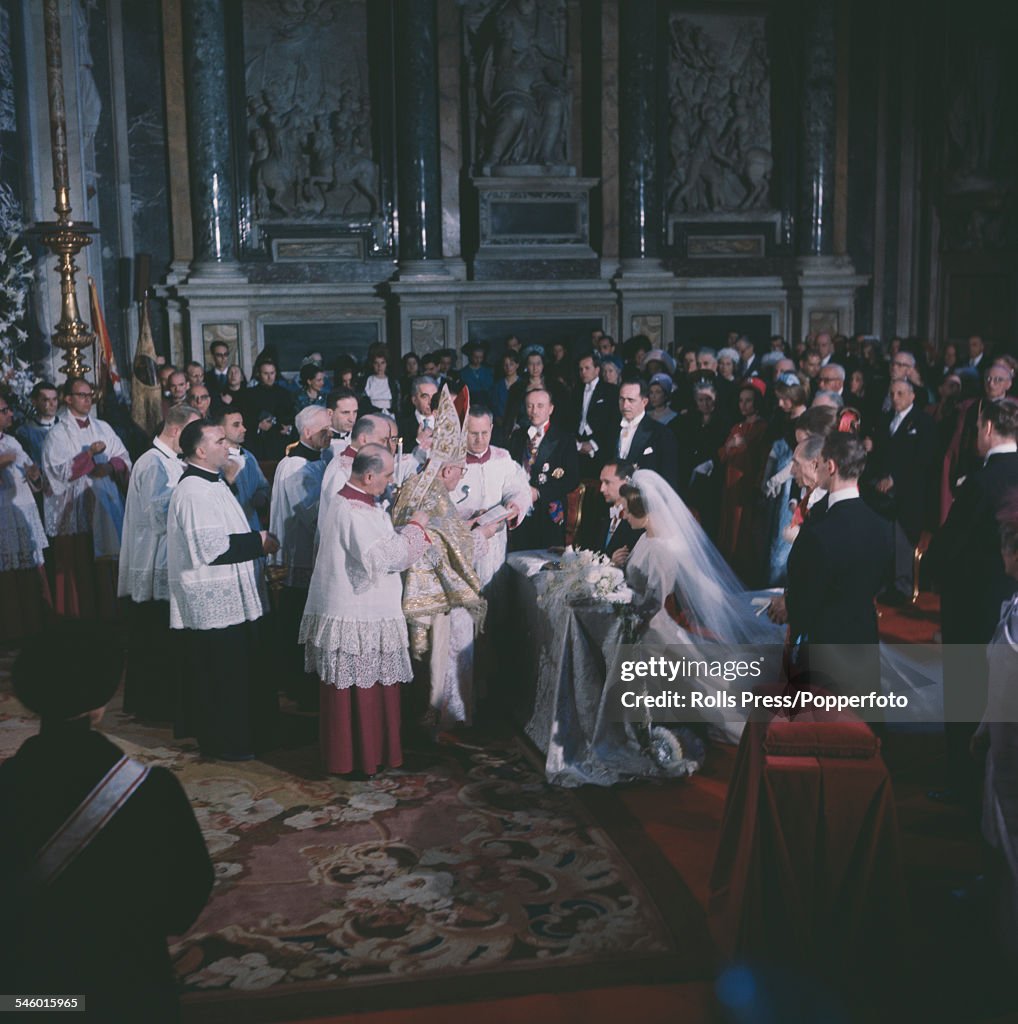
210,140
818,130
417,138
640,214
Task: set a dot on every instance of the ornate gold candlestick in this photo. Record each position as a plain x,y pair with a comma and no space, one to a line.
63,237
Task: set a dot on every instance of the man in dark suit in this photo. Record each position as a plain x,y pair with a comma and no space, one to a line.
609,532
596,421
548,455
836,567
903,454
749,365
215,375
422,392
642,440
965,560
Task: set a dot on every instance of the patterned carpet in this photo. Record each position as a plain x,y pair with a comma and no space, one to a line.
462,875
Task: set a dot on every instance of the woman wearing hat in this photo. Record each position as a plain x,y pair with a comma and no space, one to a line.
659,393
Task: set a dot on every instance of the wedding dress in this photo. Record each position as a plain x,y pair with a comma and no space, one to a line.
687,595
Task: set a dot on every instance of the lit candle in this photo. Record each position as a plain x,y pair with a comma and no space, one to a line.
399,461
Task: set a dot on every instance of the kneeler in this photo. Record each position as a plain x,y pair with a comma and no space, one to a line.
807,870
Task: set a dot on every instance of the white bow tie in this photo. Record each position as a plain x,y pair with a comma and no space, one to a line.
628,425
535,431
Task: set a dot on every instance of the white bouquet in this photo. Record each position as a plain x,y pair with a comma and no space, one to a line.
583,576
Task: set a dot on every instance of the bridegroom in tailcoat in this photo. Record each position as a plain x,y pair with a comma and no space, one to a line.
548,456
836,568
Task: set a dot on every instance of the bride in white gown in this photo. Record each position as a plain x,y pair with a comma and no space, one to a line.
686,593
711,609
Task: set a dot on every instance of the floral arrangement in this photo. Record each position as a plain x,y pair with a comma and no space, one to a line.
15,283
583,576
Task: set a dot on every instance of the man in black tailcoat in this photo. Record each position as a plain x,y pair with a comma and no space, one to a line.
548,455
903,454
596,420
643,441
836,568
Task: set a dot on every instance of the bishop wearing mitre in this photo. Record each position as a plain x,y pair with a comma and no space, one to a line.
442,597
353,628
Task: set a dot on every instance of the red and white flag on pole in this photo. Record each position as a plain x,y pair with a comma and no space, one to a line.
106,373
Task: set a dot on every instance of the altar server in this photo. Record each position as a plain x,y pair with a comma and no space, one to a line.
150,685
86,466
296,490
24,594
353,624
216,600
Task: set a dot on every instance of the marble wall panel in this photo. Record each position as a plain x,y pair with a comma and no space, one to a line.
449,100
307,142
147,143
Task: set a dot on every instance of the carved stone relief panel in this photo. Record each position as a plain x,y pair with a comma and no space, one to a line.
720,121
309,110
650,325
520,93
427,334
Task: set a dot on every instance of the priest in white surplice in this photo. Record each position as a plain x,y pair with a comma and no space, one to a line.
491,478
293,517
153,659
24,593
370,429
86,467
353,627
229,702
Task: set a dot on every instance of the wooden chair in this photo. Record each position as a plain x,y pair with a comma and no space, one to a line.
574,512
917,559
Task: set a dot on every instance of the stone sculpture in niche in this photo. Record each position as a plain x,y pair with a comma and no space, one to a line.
522,95
308,110
719,98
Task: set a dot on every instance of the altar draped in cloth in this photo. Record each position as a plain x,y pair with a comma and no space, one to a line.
566,651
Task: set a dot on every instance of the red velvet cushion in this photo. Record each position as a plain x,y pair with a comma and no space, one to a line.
842,738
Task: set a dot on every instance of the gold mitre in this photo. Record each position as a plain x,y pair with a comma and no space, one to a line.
449,438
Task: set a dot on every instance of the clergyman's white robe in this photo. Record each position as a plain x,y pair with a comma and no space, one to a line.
22,537
353,627
79,503
143,572
202,516
497,481
293,518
